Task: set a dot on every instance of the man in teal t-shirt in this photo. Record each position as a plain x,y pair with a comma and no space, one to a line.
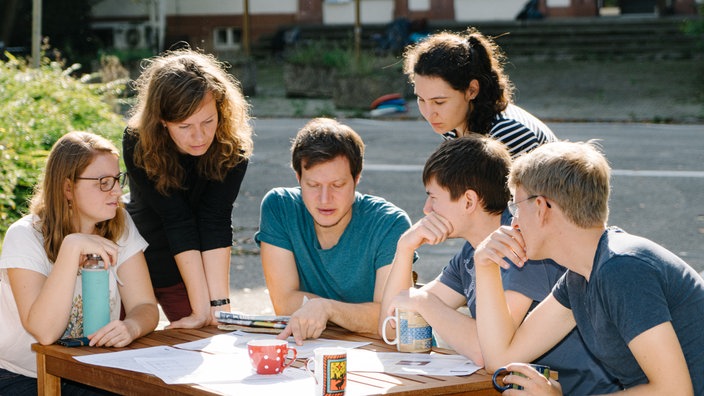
326,249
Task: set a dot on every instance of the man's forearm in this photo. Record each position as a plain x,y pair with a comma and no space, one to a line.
359,318
495,328
458,330
287,304
400,278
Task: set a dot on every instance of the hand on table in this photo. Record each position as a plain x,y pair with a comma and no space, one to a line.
533,383
308,321
114,334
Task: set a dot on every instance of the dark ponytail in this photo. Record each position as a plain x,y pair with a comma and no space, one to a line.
495,90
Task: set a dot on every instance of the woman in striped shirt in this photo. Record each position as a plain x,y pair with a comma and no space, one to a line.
462,88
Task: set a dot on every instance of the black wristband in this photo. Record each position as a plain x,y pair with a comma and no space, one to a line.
217,303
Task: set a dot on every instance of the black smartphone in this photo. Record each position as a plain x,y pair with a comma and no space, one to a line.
73,342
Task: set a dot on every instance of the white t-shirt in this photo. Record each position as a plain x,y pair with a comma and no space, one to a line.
23,247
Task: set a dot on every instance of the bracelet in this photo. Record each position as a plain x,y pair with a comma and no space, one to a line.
217,303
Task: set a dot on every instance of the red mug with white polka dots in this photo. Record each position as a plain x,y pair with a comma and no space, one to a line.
269,356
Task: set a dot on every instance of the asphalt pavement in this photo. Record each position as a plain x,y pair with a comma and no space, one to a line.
657,186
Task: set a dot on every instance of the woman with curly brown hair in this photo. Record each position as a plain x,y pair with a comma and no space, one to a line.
186,149
462,88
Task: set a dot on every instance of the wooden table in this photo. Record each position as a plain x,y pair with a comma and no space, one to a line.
55,362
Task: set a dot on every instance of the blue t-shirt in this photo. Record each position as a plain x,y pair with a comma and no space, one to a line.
635,285
580,373
347,271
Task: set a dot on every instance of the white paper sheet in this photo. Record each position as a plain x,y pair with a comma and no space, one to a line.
236,342
409,363
221,363
220,358
290,382
357,360
210,369
126,360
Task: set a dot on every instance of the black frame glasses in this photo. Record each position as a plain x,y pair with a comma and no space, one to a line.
513,206
107,183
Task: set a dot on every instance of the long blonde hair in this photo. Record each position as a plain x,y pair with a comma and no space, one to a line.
171,88
69,157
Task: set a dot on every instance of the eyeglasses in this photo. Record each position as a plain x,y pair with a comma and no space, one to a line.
513,206
107,183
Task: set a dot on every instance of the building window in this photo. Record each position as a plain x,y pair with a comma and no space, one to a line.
225,38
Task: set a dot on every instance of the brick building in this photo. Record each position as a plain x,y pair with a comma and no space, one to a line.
219,26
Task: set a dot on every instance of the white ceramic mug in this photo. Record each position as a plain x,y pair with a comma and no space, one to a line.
330,370
413,333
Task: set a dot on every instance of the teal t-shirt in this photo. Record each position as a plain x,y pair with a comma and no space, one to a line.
347,271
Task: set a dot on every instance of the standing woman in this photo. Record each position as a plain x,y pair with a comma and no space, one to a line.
186,149
75,211
462,88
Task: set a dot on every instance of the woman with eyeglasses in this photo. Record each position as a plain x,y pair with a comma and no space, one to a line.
75,211
186,148
462,88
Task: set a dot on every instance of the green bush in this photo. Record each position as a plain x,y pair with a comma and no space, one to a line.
695,26
342,59
319,53
37,106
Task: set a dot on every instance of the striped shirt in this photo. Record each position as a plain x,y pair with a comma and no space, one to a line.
519,130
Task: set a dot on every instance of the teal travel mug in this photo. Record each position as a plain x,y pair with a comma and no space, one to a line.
96,294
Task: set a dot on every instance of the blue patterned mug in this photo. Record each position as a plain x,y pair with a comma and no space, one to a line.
413,333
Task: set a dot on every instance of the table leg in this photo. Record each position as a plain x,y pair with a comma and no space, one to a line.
47,384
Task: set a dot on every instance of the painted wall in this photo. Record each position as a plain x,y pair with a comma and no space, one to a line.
124,8
119,9
370,11
421,5
273,6
218,7
487,10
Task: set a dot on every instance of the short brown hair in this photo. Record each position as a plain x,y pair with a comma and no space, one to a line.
324,139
